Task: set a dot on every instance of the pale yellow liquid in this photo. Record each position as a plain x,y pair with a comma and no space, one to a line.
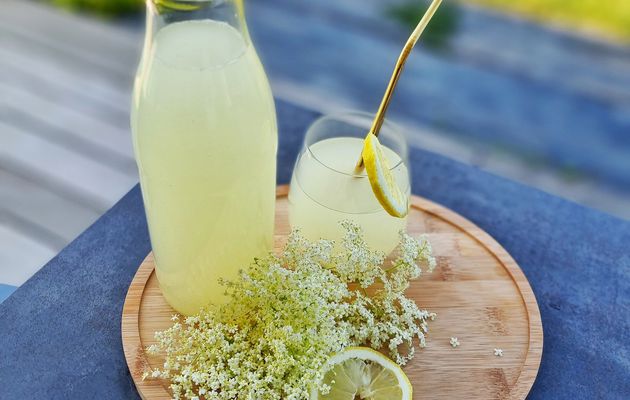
205,138
325,192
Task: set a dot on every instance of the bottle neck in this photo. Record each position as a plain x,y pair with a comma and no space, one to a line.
161,13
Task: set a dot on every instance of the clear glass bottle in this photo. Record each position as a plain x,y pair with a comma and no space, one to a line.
205,140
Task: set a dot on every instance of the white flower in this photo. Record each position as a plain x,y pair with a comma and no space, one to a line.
454,342
498,352
288,313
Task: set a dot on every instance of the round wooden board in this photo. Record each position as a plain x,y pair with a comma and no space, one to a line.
478,291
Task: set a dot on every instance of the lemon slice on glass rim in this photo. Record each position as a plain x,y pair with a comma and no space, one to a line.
383,183
363,373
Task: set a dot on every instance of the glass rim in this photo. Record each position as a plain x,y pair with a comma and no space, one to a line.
394,129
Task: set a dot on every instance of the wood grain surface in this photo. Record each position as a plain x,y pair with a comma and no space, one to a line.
478,291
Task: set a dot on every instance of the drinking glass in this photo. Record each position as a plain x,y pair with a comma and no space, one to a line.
325,189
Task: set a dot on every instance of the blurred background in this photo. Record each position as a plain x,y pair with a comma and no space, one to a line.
537,91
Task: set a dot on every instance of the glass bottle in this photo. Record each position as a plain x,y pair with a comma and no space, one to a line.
205,140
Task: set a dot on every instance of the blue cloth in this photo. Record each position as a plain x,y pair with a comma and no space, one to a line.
5,291
60,331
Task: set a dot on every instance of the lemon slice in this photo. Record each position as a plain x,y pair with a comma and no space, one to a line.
363,373
381,179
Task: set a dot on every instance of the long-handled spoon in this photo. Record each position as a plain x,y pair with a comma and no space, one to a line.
411,42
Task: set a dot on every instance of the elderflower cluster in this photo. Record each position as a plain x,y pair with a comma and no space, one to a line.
288,314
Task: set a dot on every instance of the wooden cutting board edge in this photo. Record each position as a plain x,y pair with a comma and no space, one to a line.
531,365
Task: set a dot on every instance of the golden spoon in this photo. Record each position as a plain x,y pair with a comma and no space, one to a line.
411,42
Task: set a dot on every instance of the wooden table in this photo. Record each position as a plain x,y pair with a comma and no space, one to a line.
65,147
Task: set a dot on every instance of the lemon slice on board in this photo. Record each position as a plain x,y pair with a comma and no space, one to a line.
363,373
381,179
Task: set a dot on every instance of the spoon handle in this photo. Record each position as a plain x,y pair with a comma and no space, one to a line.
411,42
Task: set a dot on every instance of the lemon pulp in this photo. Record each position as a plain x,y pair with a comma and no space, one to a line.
363,373
384,186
